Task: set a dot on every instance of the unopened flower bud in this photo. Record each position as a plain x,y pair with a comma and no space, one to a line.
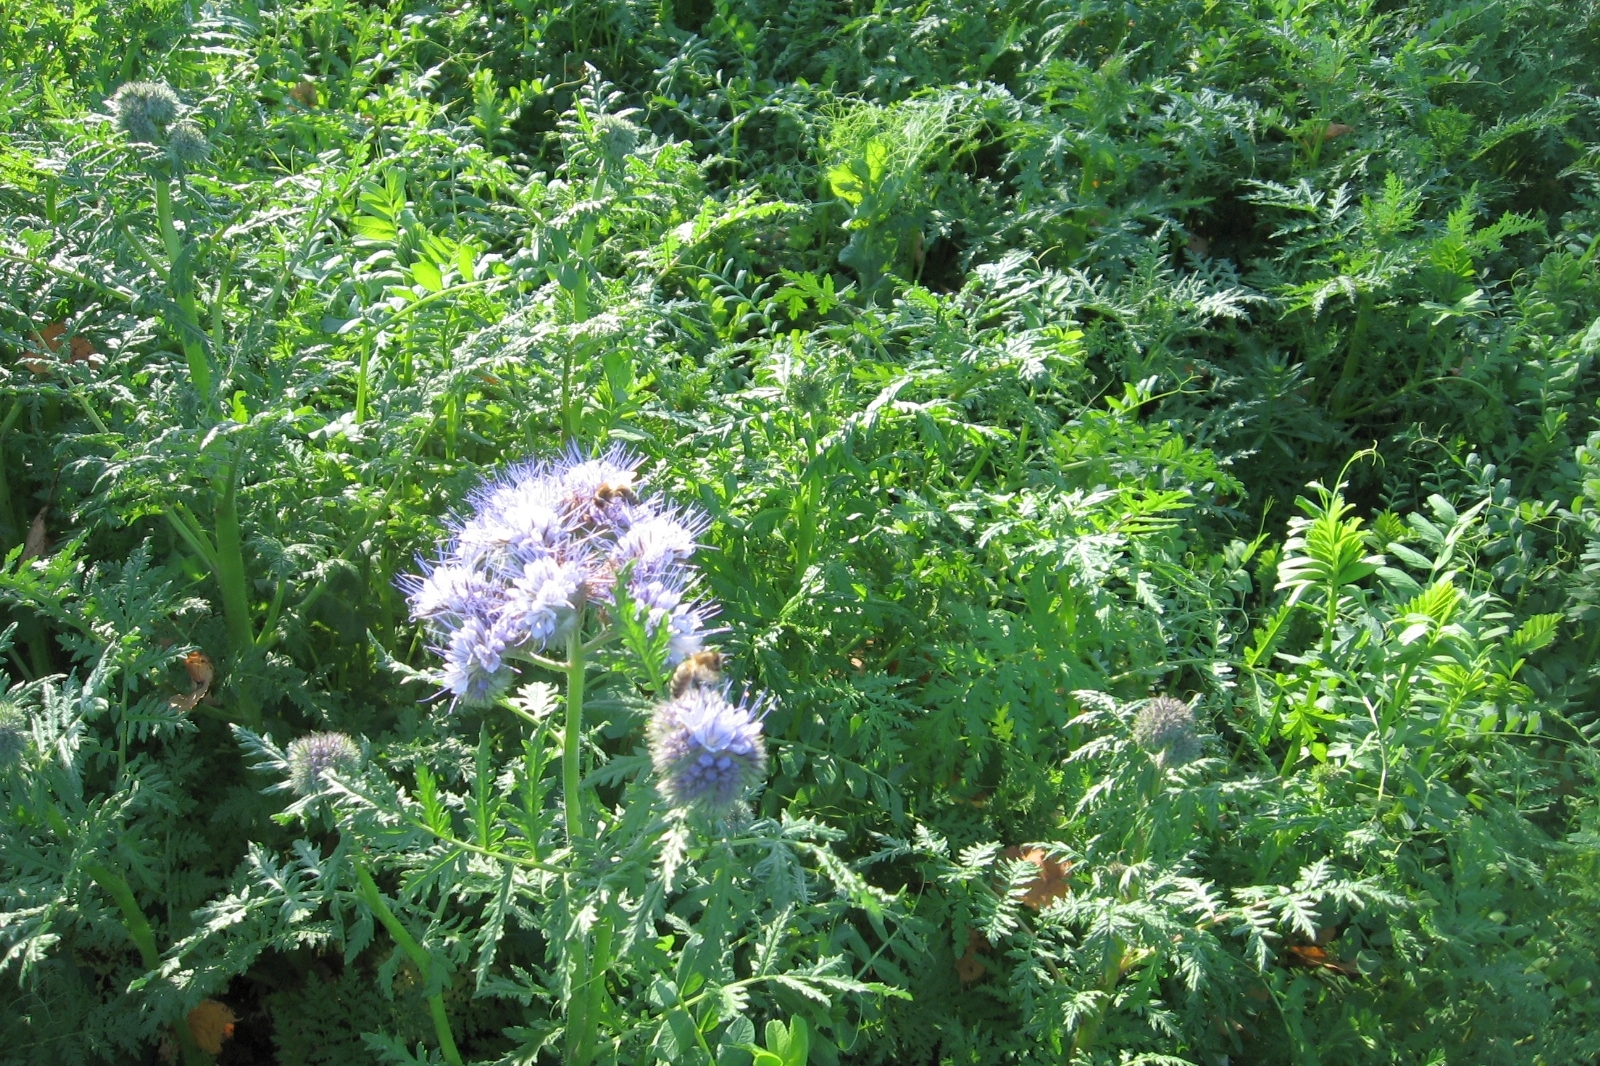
615,136
144,108
188,143
312,756
1166,728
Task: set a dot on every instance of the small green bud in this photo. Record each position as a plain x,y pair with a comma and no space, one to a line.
188,143
1166,728
143,109
615,137
311,756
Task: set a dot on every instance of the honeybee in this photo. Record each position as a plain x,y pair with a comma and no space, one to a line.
703,669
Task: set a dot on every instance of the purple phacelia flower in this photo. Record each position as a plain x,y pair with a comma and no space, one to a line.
708,751
542,541
598,494
311,756
515,521
655,543
666,604
542,603
448,591
474,662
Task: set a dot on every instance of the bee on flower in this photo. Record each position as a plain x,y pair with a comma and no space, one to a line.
544,542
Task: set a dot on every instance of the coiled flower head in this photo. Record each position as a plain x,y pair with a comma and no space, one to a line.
1166,728
315,754
144,108
187,143
615,137
708,750
543,541
13,735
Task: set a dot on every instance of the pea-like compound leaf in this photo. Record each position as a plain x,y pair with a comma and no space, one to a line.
1534,634
1326,548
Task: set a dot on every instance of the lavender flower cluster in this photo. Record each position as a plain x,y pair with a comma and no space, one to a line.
544,541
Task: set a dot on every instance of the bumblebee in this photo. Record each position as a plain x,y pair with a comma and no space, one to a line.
619,491
703,669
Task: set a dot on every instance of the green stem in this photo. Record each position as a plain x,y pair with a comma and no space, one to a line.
231,577
133,919
593,996
188,528
1013,478
806,534
188,328
230,563
138,929
1112,973
1290,757
578,1004
570,749
361,382
1352,360
580,313
7,511
580,1024
419,955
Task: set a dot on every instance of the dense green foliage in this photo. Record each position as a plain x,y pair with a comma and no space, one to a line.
1029,359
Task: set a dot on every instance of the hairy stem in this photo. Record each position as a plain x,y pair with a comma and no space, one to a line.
230,573
570,749
594,995
133,919
580,1009
188,326
1111,973
7,510
361,382
138,929
418,954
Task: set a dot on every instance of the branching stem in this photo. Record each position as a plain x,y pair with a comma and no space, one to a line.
419,956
